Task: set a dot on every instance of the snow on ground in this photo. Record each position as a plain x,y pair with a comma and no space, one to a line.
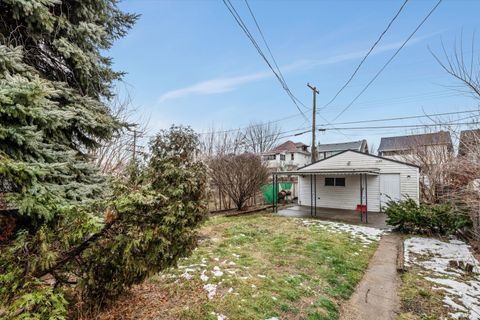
366,234
462,291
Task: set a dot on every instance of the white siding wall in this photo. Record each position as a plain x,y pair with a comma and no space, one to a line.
341,197
349,196
299,160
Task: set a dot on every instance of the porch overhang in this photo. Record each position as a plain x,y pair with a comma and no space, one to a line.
369,172
362,207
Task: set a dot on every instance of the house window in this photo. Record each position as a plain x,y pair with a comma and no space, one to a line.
282,157
329,182
337,182
269,157
292,156
340,182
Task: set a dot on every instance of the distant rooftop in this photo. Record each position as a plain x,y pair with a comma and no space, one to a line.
290,146
409,142
351,145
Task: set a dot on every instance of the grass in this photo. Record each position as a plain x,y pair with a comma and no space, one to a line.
419,301
263,266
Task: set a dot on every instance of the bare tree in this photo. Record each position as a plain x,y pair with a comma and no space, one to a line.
221,142
261,137
256,138
464,171
239,176
113,156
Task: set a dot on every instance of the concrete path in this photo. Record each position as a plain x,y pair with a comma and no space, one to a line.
376,296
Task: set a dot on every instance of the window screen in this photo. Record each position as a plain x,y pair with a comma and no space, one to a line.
337,182
340,182
330,181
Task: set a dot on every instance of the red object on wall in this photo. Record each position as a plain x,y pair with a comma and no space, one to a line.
361,208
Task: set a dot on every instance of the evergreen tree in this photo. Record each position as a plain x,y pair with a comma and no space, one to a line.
73,239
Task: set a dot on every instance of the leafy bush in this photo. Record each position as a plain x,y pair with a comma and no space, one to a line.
408,216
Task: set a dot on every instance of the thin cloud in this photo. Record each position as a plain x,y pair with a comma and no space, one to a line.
225,84
217,85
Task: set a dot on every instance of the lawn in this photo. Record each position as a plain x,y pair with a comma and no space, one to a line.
257,267
433,288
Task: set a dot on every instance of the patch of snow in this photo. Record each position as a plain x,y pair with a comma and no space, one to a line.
439,254
261,276
203,276
230,290
217,272
366,234
272,318
211,290
462,294
236,255
254,286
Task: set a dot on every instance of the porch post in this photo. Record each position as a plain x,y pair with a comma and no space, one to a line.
361,197
315,193
274,204
366,199
311,195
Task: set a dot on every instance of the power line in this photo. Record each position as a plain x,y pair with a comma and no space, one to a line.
245,29
390,60
404,118
407,126
366,56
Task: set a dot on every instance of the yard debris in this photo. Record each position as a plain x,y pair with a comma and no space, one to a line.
461,287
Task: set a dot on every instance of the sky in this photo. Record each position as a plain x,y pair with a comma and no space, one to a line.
189,63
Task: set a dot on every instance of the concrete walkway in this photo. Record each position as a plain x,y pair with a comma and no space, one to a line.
376,296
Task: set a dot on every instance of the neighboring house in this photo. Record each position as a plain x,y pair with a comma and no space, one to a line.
287,156
419,148
469,143
351,177
330,149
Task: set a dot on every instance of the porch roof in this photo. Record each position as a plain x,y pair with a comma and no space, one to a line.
339,171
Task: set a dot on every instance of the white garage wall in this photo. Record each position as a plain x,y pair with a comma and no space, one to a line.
341,197
348,197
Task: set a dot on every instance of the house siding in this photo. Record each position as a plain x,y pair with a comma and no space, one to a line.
349,196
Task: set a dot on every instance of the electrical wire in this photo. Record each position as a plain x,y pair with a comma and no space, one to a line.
366,56
247,32
389,61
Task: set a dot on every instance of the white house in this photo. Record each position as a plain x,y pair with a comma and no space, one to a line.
287,156
350,178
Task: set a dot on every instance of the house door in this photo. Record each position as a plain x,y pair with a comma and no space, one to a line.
389,188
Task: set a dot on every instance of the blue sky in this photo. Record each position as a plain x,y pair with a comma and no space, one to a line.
188,62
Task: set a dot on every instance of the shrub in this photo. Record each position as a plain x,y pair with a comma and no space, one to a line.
408,216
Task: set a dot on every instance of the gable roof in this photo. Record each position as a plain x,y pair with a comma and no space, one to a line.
468,139
363,153
351,145
412,141
288,146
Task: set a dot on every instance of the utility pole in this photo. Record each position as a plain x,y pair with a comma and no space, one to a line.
314,115
134,145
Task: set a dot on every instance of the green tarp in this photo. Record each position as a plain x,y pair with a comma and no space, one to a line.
269,194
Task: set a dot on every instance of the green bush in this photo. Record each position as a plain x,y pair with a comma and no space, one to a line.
408,216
